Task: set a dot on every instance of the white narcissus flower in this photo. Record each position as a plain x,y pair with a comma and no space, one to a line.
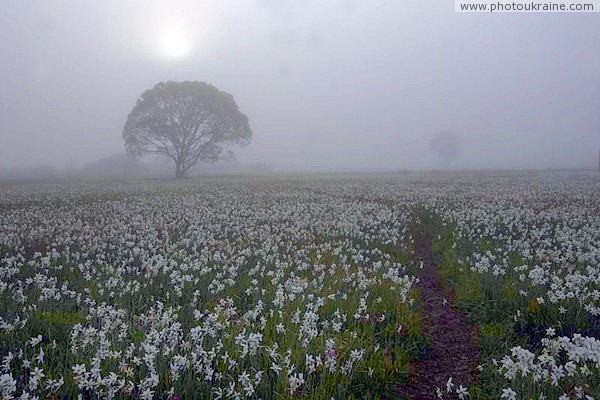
40,357
8,386
34,341
439,393
462,392
449,385
294,382
280,328
509,394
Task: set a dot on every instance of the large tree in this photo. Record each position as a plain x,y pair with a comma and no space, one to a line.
187,122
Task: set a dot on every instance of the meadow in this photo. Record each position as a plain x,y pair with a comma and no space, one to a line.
432,285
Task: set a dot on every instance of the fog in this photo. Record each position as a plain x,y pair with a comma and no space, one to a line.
342,85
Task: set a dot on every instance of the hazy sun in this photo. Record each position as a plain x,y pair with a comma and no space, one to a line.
173,44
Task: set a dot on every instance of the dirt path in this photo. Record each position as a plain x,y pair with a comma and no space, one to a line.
455,343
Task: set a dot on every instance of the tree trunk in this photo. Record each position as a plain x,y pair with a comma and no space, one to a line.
178,170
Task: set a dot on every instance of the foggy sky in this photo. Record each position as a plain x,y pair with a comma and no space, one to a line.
340,84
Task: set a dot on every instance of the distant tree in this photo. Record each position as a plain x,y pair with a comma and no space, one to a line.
187,122
445,146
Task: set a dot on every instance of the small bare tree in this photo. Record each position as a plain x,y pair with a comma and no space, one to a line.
187,122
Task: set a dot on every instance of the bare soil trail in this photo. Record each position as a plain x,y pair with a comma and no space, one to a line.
455,342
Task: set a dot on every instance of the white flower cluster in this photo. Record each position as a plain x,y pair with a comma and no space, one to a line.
562,360
543,229
228,285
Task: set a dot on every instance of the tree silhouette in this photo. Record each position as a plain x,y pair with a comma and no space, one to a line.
187,122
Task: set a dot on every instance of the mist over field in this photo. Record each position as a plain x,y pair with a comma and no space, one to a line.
345,85
286,200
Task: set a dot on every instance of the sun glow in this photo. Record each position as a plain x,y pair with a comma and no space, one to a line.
177,33
173,44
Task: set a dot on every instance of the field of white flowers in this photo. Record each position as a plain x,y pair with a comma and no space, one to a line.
302,287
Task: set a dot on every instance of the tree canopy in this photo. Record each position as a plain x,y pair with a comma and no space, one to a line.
187,122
